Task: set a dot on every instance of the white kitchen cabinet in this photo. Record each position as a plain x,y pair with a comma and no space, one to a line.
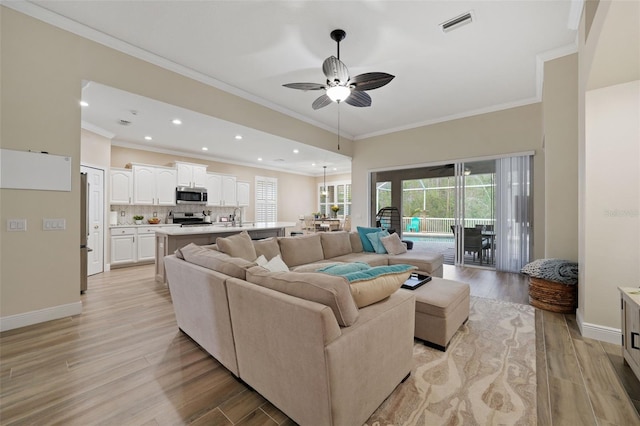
630,304
221,190
154,185
191,175
146,244
229,194
242,190
121,185
123,245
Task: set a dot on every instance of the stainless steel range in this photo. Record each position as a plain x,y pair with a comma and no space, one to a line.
190,219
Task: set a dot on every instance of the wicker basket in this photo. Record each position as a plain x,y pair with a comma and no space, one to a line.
552,296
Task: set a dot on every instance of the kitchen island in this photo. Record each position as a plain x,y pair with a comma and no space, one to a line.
168,240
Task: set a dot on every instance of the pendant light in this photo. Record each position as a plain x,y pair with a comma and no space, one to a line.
324,180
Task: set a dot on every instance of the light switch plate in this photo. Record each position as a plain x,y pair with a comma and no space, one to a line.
16,225
54,224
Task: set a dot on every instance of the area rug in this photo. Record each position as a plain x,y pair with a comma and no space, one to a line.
486,377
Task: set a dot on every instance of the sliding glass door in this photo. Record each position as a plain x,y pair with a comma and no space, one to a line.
474,212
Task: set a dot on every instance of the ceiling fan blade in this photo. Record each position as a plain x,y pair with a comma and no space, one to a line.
359,99
334,69
304,86
321,102
370,80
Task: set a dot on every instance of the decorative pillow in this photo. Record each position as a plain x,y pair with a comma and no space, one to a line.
393,244
335,244
261,260
375,284
366,244
276,265
329,290
374,237
268,247
301,250
344,268
239,245
215,260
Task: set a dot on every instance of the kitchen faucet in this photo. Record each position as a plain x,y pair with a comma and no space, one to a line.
233,217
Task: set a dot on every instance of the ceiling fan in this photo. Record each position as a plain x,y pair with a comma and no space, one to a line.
339,86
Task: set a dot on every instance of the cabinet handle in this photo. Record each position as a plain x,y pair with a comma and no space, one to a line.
633,340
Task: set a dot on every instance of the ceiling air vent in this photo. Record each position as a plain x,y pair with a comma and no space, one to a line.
457,22
124,122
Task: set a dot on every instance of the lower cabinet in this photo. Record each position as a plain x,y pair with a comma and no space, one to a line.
630,304
133,245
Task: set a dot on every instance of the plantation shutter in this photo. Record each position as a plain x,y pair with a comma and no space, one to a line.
266,199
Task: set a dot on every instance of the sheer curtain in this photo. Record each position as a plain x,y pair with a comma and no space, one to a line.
513,213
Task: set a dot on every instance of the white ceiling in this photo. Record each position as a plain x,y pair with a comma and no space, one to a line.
252,48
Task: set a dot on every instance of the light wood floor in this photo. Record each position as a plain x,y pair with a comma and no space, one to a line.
123,361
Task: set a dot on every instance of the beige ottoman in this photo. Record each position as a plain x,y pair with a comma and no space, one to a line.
442,306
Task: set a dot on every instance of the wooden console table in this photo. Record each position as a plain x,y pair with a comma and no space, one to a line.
630,305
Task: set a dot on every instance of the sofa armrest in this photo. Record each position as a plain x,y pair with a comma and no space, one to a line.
280,341
199,299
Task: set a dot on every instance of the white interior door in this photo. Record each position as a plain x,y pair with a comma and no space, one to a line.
95,240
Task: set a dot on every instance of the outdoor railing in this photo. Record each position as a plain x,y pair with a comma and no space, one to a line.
439,225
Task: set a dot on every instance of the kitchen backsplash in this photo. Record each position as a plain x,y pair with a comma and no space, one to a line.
163,211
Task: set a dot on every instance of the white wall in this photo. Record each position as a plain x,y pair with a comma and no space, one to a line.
612,201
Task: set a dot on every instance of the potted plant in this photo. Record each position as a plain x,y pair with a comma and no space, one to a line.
138,218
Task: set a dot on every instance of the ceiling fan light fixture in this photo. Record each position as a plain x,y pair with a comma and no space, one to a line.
338,93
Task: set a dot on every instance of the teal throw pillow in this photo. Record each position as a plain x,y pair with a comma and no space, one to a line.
374,237
344,268
366,244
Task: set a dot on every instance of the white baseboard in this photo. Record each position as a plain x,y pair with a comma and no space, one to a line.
598,332
42,315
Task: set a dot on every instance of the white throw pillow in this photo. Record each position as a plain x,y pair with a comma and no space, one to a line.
261,260
276,264
393,244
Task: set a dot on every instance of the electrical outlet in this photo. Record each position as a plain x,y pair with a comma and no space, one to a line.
16,225
155,214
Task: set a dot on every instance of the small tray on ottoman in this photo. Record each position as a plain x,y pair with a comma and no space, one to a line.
416,280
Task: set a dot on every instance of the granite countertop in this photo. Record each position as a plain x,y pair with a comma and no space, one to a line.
144,225
220,228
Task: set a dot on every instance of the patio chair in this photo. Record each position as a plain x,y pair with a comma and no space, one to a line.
414,226
474,243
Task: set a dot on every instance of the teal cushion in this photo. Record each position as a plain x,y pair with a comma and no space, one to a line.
344,268
366,244
374,237
377,271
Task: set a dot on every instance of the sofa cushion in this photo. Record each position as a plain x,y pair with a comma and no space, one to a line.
366,244
301,250
374,237
425,261
393,244
356,242
239,245
371,285
372,259
335,244
215,260
313,267
268,247
329,290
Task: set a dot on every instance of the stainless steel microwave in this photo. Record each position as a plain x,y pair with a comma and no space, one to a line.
189,195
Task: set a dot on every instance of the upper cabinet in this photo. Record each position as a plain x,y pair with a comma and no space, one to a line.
242,192
121,186
191,175
154,185
221,190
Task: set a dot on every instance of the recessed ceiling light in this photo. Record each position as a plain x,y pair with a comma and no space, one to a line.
259,158
335,168
204,148
84,104
313,164
295,151
148,138
176,121
238,137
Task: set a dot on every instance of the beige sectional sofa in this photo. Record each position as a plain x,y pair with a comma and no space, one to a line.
298,337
